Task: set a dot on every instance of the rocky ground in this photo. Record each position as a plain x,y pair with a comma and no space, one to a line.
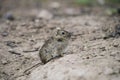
92,54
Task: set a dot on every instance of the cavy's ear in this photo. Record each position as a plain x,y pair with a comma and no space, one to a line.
54,33
59,28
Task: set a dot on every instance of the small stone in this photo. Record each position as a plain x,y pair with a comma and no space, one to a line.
44,14
101,2
102,48
9,16
23,24
118,60
108,71
4,61
116,45
87,24
72,11
55,5
11,44
12,51
117,28
87,57
37,20
4,34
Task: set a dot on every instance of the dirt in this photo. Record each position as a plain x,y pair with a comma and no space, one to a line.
88,57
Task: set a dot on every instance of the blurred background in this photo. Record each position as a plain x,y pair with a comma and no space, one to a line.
25,25
25,8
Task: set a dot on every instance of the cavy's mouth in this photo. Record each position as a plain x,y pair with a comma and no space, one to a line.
60,40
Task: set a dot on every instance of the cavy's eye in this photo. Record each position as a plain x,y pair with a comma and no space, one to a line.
63,33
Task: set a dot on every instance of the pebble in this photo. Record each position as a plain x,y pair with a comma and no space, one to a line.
4,34
108,71
11,44
71,11
102,48
9,16
101,2
4,61
37,20
12,51
117,28
44,14
55,5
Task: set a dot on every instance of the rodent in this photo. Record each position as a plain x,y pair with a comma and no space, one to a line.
55,45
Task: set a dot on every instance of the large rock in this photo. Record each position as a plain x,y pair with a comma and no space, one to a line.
72,67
